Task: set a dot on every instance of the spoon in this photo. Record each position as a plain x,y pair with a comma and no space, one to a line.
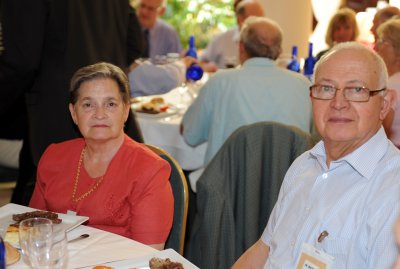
82,236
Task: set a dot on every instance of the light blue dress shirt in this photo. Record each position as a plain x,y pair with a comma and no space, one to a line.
163,40
257,91
150,79
223,49
356,200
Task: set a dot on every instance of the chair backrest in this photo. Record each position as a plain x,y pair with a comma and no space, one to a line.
8,177
238,189
176,238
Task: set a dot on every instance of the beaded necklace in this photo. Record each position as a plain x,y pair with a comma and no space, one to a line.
78,172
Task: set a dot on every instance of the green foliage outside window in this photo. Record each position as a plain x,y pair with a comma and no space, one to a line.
201,18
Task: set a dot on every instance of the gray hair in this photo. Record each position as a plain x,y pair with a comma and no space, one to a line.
262,41
99,71
390,30
386,13
376,61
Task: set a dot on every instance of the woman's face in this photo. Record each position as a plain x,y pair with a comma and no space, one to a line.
100,112
343,32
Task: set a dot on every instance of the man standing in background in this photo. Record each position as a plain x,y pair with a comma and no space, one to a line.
45,42
161,38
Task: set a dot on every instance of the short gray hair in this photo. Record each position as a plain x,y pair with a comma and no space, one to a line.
378,64
263,41
99,71
390,31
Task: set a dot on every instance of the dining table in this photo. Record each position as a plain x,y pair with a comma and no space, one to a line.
163,129
100,247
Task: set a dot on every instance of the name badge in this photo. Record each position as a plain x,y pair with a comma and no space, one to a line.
312,258
70,212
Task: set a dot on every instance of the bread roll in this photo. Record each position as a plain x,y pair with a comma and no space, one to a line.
12,254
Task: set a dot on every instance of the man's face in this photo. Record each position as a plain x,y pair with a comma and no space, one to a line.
251,9
345,123
375,24
149,11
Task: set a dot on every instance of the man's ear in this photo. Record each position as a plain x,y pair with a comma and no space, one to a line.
389,100
161,11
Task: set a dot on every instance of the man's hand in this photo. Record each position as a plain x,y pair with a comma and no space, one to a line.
188,61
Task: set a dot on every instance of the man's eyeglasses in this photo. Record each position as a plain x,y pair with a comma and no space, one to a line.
354,94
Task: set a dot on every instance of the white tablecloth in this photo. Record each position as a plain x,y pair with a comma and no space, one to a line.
164,132
100,247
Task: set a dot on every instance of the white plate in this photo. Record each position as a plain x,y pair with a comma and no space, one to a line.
143,262
172,110
68,223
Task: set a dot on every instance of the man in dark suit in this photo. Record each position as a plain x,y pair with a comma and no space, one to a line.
45,42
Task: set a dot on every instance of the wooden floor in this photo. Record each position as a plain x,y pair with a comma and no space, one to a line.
5,196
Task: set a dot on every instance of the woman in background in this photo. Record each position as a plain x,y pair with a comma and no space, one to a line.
118,183
342,28
388,47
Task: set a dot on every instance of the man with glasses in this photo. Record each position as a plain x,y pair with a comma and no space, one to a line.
339,201
161,37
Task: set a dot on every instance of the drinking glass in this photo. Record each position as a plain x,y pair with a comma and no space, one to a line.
39,228
54,257
183,89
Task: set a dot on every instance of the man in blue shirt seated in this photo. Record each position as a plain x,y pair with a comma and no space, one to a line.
257,91
223,49
339,201
146,78
161,38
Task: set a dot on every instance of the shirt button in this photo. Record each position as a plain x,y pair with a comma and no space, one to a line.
307,209
324,175
292,243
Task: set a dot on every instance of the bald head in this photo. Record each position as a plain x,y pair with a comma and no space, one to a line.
260,37
247,8
361,55
383,15
149,10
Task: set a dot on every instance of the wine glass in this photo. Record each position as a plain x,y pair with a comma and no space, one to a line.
183,89
54,257
39,230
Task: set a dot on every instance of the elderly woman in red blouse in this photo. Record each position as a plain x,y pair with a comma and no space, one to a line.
118,183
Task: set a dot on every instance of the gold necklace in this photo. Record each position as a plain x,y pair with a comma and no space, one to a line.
78,172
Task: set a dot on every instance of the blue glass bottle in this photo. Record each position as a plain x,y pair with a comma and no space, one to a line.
309,63
294,64
192,52
2,254
194,72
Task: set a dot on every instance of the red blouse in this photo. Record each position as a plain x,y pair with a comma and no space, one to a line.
134,199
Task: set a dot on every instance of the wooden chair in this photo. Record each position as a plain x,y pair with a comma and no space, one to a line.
8,177
176,238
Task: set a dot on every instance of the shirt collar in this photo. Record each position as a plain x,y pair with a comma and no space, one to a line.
259,61
364,159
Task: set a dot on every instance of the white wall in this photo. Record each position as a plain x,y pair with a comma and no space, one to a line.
295,19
